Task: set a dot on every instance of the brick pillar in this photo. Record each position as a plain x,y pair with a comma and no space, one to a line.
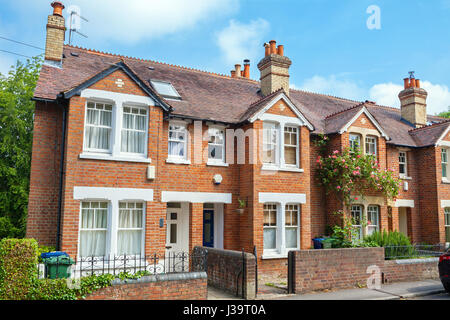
155,236
384,218
395,220
195,225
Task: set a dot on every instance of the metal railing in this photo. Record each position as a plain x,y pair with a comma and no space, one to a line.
416,251
141,265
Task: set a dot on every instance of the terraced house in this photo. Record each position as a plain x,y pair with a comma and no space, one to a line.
134,156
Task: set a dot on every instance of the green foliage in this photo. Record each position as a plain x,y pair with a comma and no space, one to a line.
18,268
445,114
386,239
16,134
352,172
44,249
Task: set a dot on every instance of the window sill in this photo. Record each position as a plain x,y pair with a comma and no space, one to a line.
108,157
273,256
178,161
217,164
284,169
405,178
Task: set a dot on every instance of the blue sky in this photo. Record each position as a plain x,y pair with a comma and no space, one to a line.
332,49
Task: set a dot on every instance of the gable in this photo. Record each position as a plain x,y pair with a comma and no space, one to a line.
119,82
282,109
364,121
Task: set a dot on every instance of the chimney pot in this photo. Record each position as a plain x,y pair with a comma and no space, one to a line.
406,80
281,50
267,47
58,8
247,68
238,70
273,47
412,83
233,73
417,83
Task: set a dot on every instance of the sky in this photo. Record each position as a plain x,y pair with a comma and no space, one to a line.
355,49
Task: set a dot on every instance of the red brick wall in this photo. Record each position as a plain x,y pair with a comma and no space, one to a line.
346,268
45,173
154,289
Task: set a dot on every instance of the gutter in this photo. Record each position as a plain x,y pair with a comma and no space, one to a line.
61,175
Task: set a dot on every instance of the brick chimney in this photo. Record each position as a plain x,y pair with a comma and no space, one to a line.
414,102
56,31
274,68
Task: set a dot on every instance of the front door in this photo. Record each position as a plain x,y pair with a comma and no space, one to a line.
403,220
208,228
177,240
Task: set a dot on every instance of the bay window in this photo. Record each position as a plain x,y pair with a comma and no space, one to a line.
98,129
93,229
134,130
177,141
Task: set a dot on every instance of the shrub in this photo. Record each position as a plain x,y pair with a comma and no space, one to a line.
387,239
18,268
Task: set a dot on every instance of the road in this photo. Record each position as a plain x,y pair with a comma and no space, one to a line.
442,296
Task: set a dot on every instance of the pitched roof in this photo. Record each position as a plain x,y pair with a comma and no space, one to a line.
429,135
214,97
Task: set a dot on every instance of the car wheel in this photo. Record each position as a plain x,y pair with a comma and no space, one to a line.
447,287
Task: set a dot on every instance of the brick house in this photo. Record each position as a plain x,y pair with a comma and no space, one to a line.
133,156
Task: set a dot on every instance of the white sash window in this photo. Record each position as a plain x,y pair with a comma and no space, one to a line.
94,229
131,226
134,130
98,129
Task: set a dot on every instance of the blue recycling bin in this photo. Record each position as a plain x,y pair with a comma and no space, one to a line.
48,255
318,243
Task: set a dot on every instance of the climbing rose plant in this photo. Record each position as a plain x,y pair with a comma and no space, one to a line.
350,172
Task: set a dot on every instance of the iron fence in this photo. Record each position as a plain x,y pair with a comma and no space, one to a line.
416,251
139,265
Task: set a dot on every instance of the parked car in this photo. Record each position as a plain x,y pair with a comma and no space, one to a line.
444,270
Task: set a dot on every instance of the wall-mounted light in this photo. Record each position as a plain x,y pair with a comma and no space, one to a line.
218,179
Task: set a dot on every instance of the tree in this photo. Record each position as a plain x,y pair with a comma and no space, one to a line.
16,137
445,114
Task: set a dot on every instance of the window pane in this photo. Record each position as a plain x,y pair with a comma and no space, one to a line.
291,237
93,231
129,242
270,238
173,233
290,155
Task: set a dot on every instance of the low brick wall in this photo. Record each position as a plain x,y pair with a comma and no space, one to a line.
182,286
313,270
230,270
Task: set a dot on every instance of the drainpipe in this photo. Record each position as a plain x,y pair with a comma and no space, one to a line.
61,175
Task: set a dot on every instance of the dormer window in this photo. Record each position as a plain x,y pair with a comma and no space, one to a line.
165,89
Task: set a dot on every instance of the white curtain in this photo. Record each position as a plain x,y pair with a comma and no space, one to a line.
98,129
291,237
129,239
133,133
93,232
270,238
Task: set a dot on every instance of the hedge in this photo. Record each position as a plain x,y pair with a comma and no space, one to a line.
18,268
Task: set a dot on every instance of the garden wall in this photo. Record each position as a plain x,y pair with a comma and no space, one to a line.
230,271
182,286
311,270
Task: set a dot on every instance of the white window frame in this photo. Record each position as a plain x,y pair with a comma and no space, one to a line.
403,155
112,128
444,163
113,226
276,228
217,162
371,141
133,229
352,141
373,209
133,154
107,230
447,222
292,226
297,145
274,127
178,159
353,210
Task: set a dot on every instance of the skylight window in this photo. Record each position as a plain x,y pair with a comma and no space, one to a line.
165,89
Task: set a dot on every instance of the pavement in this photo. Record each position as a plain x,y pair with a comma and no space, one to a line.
396,291
416,290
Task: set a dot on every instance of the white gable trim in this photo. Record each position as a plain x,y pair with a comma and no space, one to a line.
440,142
294,109
196,197
369,115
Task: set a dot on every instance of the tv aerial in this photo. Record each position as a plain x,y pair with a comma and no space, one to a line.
75,24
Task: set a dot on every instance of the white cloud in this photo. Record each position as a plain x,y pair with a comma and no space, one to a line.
383,93
334,86
387,94
137,20
240,41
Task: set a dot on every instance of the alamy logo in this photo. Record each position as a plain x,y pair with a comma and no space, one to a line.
374,280
374,20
